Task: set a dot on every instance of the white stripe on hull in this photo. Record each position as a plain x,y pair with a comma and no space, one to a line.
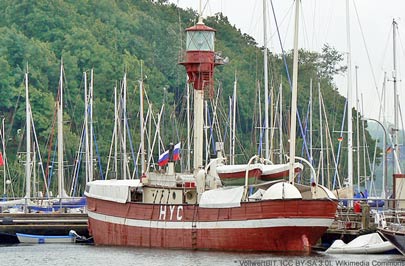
243,224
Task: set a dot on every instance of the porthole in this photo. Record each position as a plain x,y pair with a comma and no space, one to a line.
174,195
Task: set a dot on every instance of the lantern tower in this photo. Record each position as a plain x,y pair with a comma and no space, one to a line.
199,59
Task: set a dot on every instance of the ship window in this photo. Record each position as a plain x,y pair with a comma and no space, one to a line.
200,41
174,195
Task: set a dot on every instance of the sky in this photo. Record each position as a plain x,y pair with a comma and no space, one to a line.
324,21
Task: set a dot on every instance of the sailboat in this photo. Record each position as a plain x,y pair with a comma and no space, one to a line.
161,211
265,170
24,204
63,200
395,231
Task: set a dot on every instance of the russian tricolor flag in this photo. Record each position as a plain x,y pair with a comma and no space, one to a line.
176,152
163,158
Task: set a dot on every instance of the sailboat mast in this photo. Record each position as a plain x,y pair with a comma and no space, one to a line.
124,133
397,169
230,130
310,125
280,124
321,159
86,127
60,134
28,138
266,85
232,161
3,142
294,95
356,68
207,146
349,104
364,143
115,132
91,177
141,122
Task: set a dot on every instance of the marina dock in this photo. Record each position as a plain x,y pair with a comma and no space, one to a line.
43,223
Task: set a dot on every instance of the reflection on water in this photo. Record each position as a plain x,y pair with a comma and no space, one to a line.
76,255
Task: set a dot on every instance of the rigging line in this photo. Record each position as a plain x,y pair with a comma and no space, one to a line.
329,22
36,145
382,63
387,43
98,155
306,128
403,52
212,137
368,54
77,164
217,113
304,28
289,78
340,145
289,11
329,136
269,40
313,25
253,18
289,22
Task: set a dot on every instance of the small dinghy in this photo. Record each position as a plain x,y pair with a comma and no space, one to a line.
364,244
45,239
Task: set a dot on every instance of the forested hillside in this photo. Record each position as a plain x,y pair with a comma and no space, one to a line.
124,36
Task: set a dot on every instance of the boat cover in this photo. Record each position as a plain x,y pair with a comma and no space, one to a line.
369,243
222,198
8,203
111,190
269,169
235,168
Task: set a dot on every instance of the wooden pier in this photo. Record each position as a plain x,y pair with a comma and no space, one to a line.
43,223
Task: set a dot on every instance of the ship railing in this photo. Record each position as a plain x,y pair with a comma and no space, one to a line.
366,214
349,225
218,59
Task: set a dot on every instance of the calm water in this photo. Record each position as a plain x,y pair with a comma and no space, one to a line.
77,255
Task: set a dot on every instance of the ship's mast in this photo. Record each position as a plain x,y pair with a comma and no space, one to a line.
397,169
60,135
141,122
124,133
266,85
86,127
294,95
28,138
3,142
356,68
233,131
349,106
91,155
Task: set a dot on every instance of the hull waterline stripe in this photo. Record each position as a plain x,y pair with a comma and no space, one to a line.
242,224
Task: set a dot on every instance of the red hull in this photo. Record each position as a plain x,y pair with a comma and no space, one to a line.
252,174
238,178
279,225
